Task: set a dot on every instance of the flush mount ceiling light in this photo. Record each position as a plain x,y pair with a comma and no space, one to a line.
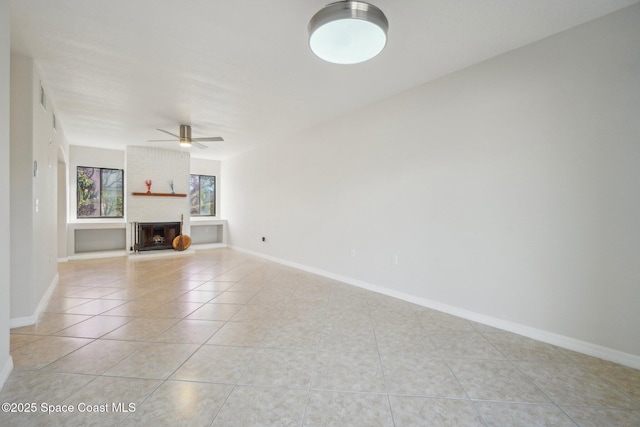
348,32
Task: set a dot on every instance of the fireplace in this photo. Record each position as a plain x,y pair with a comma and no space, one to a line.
153,236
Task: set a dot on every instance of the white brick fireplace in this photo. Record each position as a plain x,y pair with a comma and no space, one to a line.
161,167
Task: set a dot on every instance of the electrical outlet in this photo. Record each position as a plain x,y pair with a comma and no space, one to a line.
353,253
394,259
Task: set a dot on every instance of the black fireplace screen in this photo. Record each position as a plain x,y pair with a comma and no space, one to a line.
153,236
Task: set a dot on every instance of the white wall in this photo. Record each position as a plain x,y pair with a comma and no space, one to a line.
508,191
33,199
5,358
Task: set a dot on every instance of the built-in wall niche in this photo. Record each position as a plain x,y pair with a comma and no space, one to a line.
96,239
208,233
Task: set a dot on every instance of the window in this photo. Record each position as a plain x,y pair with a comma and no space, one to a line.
100,193
202,193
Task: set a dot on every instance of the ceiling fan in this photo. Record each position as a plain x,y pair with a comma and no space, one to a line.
185,138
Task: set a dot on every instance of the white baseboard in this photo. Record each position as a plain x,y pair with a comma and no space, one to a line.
18,322
569,343
6,371
204,246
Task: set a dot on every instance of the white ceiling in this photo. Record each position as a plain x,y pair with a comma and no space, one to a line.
242,69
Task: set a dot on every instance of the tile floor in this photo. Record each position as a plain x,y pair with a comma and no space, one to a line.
221,338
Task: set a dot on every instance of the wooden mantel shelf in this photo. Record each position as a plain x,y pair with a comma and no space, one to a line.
160,194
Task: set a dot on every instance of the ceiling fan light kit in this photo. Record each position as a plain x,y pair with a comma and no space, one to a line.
185,136
348,32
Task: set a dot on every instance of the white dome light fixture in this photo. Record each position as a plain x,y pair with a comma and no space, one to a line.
348,32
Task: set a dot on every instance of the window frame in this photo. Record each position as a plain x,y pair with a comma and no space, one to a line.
99,201
214,199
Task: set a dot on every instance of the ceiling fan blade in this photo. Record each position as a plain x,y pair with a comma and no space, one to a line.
172,134
197,144
160,140
210,138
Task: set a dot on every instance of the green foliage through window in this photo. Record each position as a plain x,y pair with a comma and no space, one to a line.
100,193
202,195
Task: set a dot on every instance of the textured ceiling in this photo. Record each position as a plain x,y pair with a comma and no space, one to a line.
242,69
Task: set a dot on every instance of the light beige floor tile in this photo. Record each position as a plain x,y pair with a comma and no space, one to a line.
339,338
198,296
276,333
294,313
405,341
250,287
215,312
201,276
153,360
133,308
66,290
97,292
573,384
177,403
347,410
38,388
214,286
190,331
269,299
625,379
95,358
104,401
220,364
174,310
385,319
44,351
130,293
240,334
495,380
257,313
228,297
465,344
141,329
516,347
50,323
94,327
96,306
18,340
414,374
162,295
422,411
280,368
61,304
433,320
348,372
348,316
598,417
303,336
521,415
258,406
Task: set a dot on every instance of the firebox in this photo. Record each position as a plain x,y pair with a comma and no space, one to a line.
153,236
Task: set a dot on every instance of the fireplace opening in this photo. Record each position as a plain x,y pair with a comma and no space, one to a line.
153,236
